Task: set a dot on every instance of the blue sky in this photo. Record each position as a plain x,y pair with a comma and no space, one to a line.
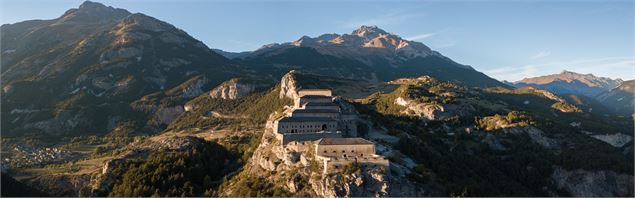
507,40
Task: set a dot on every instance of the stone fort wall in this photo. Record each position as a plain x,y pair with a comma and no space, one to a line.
304,127
334,115
348,150
334,165
290,137
314,92
348,124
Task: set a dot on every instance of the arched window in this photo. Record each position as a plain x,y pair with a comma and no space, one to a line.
324,127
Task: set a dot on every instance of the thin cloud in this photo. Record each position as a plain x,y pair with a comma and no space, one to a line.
421,36
541,54
443,45
381,20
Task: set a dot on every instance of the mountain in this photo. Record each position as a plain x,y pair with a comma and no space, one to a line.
230,55
568,82
81,72
620,99
368,53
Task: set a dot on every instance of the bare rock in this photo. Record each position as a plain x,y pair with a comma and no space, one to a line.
582,183
234,89
493,142
617,139
537,136
167,115
289,87
121,53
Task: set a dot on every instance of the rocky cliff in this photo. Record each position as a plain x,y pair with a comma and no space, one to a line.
584,183
289,86
237,88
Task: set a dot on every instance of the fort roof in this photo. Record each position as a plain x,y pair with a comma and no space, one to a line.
310,104
316,96
343,141
315,90
316,111
306,119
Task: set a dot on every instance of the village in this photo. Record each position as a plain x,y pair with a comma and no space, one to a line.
27,156
316,118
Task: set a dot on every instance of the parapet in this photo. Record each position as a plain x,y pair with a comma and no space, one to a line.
344,141
314,92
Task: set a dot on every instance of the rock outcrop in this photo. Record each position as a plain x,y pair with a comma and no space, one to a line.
537,136
431,111
617,139
425,111
362,183
289,85
583,183
236,88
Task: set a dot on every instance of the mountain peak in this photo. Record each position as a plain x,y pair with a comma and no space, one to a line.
98,8
566,72
89,5
567,82
147,23
368,31
364,44
93,12
571,72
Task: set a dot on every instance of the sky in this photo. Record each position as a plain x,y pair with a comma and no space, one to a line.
507,40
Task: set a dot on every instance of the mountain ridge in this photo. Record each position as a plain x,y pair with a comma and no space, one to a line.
568,82
360,43
59,72
367,53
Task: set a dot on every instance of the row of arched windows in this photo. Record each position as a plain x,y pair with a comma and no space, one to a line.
324,126
363,166
343,151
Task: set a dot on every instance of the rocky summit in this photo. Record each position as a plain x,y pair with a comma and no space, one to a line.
567,82
368,53
104,102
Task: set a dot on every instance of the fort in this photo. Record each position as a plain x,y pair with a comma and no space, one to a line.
319,117
335,153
